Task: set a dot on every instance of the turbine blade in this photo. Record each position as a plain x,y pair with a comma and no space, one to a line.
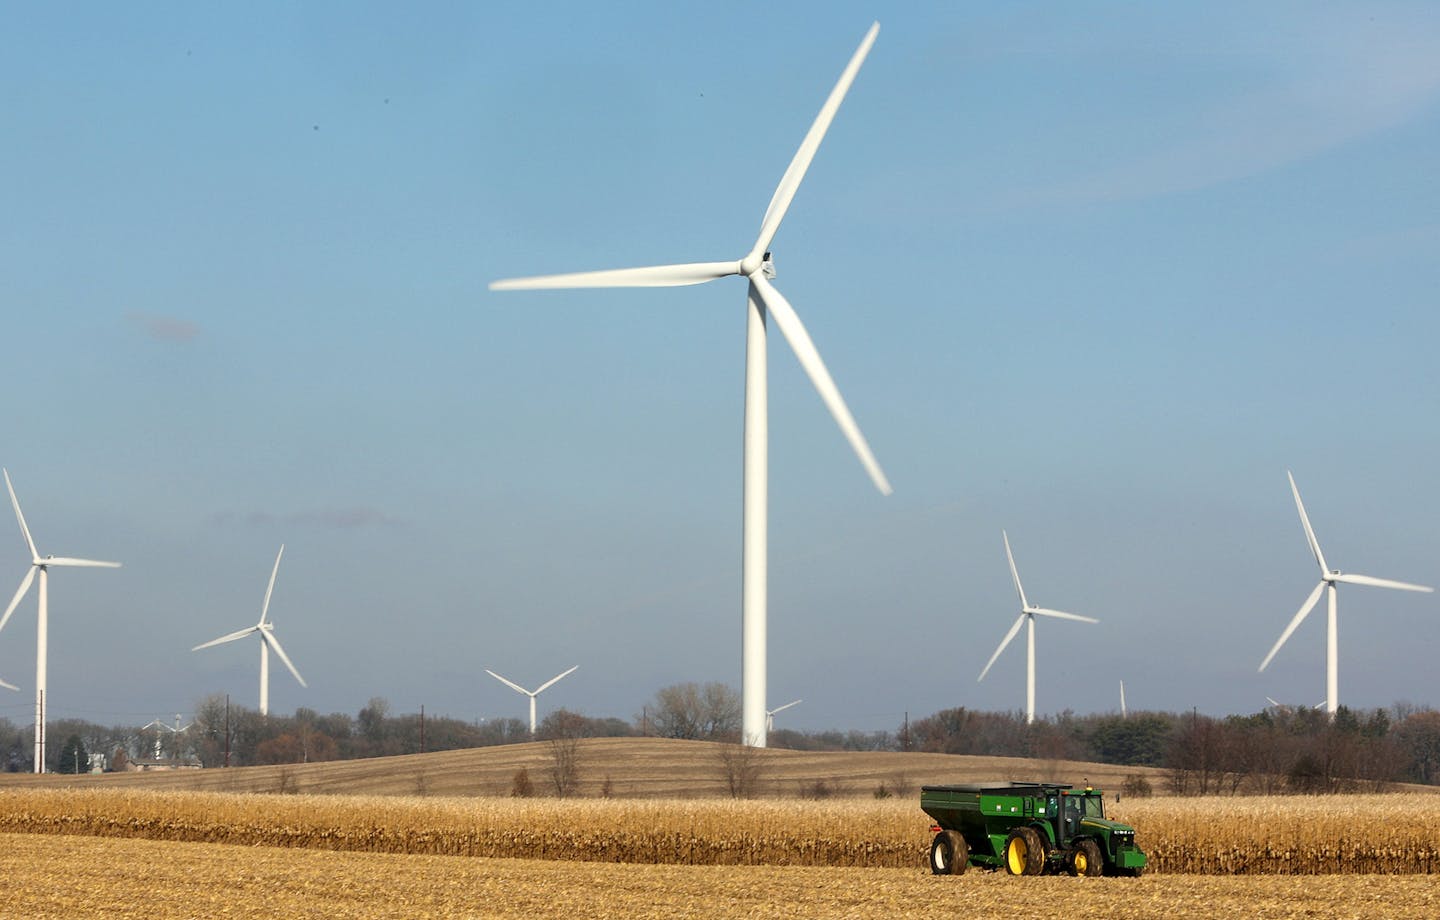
7,685
1060,614
555,679
231,637
19,595
274,644
1305,609
80,563
265,607
650,276
20,516
809,357
790,182
1014,572
785,707
510,683
1003,642
1381,583
1309,531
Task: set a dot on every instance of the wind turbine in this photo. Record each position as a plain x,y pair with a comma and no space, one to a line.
531,693
764,301
266,630
770,714
42,565
1027,618
176,730
1123,713
1329,578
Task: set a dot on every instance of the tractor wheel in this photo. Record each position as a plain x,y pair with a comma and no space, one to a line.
949,855
1085,860
1024,852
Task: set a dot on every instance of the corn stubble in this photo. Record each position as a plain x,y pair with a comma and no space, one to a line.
55,876
1391,834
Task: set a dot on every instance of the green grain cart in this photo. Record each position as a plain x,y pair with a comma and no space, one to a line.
1029,828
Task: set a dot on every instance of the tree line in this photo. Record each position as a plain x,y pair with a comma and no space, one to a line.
1280,749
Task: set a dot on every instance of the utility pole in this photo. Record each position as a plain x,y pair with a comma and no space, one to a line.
227,729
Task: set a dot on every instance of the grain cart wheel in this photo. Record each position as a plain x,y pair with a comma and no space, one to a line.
1086,860
1024,852
949,854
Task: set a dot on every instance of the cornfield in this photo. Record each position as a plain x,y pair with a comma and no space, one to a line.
1268,836
1289,835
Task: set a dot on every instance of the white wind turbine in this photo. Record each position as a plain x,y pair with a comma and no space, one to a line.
763,301
770,714
531,693
1329,578
1027,618
266,631
42,565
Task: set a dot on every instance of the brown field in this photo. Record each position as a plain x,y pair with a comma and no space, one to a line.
1390,834
136,845
634,767
56,876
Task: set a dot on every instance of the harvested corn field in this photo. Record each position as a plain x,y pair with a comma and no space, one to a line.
1272,836
54,876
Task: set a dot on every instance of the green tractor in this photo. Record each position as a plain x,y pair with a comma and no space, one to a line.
1029,828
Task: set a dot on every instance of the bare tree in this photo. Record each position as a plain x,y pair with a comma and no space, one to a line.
742,767
564,729
709,713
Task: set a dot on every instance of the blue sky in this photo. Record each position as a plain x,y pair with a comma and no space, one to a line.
1097,275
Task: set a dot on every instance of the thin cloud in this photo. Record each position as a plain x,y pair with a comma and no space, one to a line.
358,518
163,328
1348,85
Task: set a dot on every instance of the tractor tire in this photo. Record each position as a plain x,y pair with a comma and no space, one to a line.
1024,852
949,854
1086,860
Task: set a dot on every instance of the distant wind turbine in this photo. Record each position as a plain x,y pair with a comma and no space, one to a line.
770,714
266,630
176,730
41,565
1287,709
1027,618
531,693
764,301
1123,713
1329,578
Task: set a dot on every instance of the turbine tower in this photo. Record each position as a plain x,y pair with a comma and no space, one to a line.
1329,579
763,302
41,565
531,693
266,631
770,714
1027,619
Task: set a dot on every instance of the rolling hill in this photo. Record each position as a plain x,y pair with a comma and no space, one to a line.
620,767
